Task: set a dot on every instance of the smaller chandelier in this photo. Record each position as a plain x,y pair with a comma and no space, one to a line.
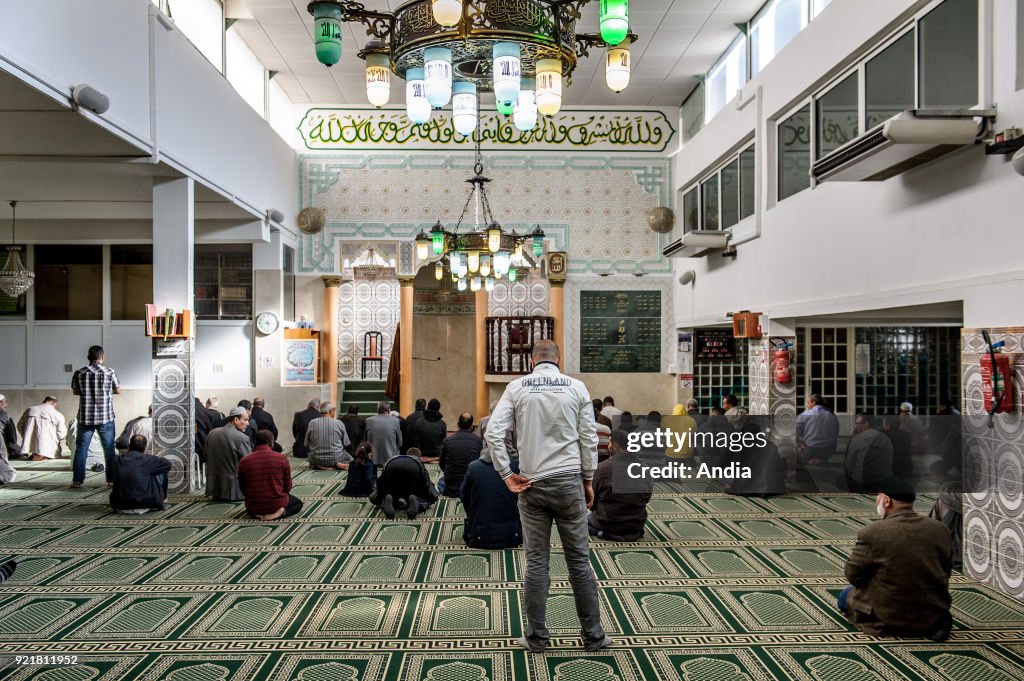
370,265
15,278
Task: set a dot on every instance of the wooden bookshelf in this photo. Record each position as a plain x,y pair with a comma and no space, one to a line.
159,325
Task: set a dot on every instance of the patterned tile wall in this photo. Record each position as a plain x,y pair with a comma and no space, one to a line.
174,382
365,305
591,207
994,503
767,396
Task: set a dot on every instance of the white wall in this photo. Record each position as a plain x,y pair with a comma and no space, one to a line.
224,354
61,43
939,233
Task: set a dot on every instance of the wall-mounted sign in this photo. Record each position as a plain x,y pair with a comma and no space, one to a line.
620,331
633,131
714,344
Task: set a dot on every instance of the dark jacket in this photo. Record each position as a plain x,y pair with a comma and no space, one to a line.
355,426
264,420
300,423
10,434
361,481
902,462
492,511
900,569
430,433
136,481
457,453
409,432
205,422
404,475
618,513
766,470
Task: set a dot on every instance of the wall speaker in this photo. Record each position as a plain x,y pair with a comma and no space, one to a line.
90,98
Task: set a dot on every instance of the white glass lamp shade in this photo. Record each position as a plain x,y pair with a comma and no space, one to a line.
464,112
489,284
485,265
437,74
524,115
417,108
378,79
439,271
474,284
501,262
549,86
473,261
462,283
422,250
616,68
494,237
506,71
448,13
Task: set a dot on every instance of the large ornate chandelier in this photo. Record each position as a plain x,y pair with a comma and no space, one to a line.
451,50
477,258
15,279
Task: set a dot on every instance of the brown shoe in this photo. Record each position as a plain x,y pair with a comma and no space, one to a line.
76,485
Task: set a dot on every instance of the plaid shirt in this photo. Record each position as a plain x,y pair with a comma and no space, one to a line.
94,385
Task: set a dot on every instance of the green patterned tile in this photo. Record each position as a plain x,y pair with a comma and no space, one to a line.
35,570
316,534
724,563
373,615
174,535
202,569
357,510
400,532
37,616
782,609
461,613
14,511
814,662
714,664
636,563
252,533
112,569
27,537
380,567
102,667
805,561
328,667
468,666
213,509
462,566
99,536
134,616
691,529
247,615
615,665
297,568
562,617
667,611
206,667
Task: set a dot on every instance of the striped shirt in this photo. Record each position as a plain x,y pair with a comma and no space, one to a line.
265,478
327,442
95,385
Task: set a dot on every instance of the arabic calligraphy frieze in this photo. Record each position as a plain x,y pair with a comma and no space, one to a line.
352,129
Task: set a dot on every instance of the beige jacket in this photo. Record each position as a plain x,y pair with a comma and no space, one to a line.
43,429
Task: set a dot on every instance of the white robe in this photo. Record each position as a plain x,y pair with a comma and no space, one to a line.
42,430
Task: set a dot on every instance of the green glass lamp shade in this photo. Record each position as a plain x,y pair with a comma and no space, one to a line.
614,21
512,274
327,32
437,238
505,108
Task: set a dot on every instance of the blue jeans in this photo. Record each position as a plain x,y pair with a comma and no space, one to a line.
843,595
559,500
82,442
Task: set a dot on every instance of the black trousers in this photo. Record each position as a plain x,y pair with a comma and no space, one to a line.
293,507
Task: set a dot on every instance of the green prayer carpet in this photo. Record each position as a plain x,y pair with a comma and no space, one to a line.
722,588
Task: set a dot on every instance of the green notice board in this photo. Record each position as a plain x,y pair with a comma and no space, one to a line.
620,331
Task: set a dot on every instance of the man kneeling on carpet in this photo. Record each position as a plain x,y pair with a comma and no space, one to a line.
266,480
899,570
404,482
140,479
618,515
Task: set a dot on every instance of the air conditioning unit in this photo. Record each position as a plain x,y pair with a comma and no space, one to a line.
697,244
905,141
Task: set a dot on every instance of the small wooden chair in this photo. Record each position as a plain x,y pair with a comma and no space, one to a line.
372,343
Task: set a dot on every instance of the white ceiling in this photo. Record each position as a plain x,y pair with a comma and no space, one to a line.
679,39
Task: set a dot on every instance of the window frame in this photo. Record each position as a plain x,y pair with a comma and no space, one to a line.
720,64
698,186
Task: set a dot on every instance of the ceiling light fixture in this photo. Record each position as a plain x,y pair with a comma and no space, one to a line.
15,278
497,46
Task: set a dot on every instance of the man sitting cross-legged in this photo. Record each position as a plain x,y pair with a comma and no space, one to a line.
620,503
327,441
266,480
140,479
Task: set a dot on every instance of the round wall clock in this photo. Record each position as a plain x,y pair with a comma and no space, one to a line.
267,323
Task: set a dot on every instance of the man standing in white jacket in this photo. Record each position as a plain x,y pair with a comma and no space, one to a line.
554,421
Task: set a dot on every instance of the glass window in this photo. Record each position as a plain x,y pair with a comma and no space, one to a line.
730,178
726,78
692,113
223,281
838,112
889,81
948,43
817,6
772,30
131,281
709,191
279,112
795,153
691,211
748,169
245,72
202,22
69,282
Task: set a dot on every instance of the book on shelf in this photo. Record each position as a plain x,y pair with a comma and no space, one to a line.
167,323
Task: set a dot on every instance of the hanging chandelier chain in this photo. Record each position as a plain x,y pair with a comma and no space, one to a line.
14,221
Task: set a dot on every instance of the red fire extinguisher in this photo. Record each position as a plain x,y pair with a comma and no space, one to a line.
996,379
783,373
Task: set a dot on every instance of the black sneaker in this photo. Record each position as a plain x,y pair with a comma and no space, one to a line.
414,507
594,647
388,506
98,468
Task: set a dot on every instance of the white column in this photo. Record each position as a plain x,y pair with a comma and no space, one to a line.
174,359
